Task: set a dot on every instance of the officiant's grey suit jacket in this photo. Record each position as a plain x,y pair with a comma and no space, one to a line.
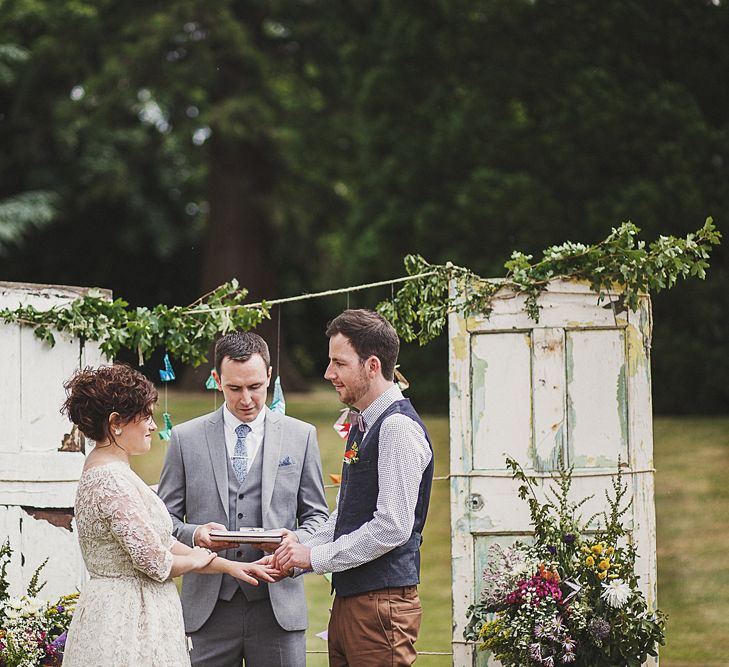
194,486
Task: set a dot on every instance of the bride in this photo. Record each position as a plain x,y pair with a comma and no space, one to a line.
129,613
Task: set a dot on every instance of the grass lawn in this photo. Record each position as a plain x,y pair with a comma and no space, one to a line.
692,496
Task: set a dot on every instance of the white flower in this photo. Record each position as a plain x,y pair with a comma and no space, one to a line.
14,603
616,593
32,606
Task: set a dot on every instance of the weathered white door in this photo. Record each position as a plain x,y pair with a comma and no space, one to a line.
577,382
40,458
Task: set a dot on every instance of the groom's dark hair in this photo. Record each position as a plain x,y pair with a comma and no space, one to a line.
240,346
369,334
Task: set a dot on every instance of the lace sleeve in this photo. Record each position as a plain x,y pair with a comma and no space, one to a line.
120,503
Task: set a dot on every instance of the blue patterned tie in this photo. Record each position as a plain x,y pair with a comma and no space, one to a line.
240,453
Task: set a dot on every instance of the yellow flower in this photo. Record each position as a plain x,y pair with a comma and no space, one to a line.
609,551
597,549
590,561
605,564
601,575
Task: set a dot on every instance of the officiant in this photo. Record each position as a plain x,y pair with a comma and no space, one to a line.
243,465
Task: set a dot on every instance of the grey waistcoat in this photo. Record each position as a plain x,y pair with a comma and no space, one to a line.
244,509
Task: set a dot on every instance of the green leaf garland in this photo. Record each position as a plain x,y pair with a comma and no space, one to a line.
418,311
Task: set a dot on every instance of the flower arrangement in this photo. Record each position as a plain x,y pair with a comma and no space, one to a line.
351,455
571,597
32,632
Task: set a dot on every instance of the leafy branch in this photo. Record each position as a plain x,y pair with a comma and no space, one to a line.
185,332
419,310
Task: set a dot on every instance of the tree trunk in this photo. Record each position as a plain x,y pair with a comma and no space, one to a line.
240,241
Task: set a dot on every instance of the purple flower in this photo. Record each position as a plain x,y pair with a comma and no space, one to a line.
569,538
599,628
569,645
535,652
60,641
60,608
552,549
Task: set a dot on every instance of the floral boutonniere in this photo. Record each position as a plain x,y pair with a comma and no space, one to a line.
352,454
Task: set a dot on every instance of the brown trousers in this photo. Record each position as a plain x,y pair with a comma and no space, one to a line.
375,629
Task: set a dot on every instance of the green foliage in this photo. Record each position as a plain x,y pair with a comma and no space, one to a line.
23,213
186,332
10,54
5,553
32,632
419,310
480,127
34,586
572,596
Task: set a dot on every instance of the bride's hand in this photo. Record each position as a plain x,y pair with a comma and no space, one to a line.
201,557
253,572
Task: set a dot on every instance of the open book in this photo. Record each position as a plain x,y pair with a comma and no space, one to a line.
247,535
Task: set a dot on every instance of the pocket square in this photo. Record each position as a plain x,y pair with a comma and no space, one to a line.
288,461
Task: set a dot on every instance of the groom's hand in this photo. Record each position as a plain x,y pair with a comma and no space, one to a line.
202,537
270,547
293,554
275,573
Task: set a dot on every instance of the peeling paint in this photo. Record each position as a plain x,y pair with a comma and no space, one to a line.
460,347
482,524
571,412
637,359
595,462
59,517
478,392
622,400
73,441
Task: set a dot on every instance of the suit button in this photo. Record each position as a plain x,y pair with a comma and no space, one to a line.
240,516
239,554
240,496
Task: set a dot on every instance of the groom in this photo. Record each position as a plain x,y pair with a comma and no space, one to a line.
243,465
371,542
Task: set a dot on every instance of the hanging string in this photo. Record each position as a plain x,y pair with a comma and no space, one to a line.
316,295
347,300
278,343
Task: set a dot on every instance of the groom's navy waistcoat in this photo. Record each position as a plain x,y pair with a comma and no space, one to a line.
358,503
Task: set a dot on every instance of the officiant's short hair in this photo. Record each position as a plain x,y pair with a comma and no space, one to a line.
370,334
241,346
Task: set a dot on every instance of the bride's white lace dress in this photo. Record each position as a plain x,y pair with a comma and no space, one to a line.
129,613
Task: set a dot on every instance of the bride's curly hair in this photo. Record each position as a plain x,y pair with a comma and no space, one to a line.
92,394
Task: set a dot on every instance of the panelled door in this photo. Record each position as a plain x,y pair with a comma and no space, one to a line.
575,384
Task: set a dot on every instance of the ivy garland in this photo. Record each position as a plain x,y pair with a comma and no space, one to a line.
420,308
185,332
419,311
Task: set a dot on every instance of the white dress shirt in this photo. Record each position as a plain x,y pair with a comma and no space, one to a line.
254,440
404,455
